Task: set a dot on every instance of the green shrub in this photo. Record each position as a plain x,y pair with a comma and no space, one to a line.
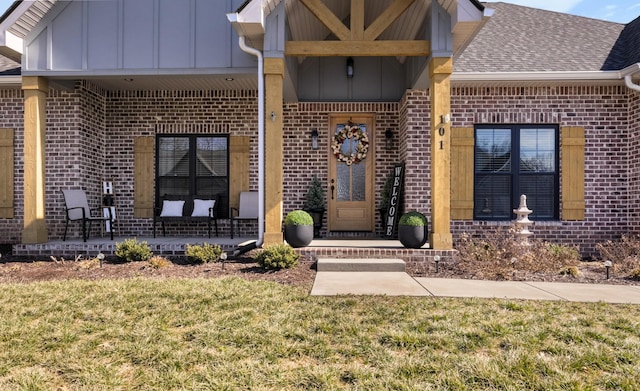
159,262
315,195
131,250
277,256
413,219
572,271
298,217
204,253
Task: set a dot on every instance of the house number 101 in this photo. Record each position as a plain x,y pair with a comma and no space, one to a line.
441,133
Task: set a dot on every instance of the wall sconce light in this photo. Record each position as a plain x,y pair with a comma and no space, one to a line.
314,139
388,137
350,67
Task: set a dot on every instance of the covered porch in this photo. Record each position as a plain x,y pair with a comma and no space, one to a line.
121,113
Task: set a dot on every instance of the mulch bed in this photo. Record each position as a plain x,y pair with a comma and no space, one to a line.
15,269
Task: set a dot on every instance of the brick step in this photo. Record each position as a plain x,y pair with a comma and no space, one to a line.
360,265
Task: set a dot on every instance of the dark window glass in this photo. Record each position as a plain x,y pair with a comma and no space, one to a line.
195,165
511,160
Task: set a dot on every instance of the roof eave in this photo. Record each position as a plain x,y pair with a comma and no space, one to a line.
11,81
11,45
249,21
536,76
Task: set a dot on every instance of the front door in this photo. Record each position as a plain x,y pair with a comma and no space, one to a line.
351,173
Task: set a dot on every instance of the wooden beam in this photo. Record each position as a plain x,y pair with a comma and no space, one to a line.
35,90
382,22
440,95
328,18
274,150
357,48
357,20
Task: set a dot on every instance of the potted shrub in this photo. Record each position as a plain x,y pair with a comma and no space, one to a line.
413,230
298,228
315,204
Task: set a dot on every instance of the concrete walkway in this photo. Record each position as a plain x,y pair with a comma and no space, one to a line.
394,283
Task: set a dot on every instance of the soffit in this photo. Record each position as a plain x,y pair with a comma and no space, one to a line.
30,17
240,82
304,26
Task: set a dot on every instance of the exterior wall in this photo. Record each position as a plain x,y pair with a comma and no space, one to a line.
131,114
301,162
108,36
322,79
415,137
602,111
634,163
90,135
74,152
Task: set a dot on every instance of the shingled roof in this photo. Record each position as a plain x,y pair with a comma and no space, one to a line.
9,67
524,39
626,50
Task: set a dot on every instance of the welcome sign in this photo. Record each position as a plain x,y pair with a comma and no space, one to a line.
394,200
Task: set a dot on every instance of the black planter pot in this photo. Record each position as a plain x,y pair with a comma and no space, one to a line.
413,237
298,235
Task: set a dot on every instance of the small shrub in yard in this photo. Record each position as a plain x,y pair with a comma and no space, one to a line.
131,250
204,253
158,262
623,254
277,256
572,271
89,264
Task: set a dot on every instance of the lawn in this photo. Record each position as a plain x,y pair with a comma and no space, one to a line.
229,334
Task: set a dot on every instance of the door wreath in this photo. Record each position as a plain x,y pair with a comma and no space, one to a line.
359,136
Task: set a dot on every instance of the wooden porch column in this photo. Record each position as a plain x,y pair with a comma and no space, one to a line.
273,84
440,93
35,95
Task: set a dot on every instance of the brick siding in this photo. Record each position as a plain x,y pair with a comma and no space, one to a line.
603,112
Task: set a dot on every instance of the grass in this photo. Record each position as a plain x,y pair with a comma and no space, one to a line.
229,334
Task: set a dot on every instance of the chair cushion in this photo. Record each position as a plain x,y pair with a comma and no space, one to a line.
201,207
248,205
171,208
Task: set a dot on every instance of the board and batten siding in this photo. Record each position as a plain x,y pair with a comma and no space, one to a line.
101,36
572,146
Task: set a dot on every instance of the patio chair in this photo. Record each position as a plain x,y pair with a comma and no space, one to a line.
247,209
77,209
